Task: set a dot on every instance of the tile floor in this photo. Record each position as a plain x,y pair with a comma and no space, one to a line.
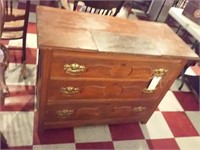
174,125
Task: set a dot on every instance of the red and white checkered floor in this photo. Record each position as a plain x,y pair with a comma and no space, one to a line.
174,125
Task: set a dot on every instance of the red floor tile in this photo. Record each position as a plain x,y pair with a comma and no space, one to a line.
53,136
32,28
27,104
187,100
95,145
4,42
16,54
21,98
126,131
180,124
163,144
21,90
21,148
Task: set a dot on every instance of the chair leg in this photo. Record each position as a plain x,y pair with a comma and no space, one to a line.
3,94
3,88
182,80
167,19
23,69
2,99
178,29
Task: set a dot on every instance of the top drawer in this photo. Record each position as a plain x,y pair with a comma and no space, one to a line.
104,65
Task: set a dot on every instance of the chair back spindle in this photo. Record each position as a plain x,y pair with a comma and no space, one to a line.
4,57
2,13
100,7
16,24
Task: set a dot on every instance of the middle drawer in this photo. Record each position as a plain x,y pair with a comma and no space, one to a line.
101,89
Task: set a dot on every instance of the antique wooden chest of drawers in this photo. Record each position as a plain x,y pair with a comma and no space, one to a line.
100,70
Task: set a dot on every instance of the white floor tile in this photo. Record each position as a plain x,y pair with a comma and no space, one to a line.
170,103
31,41
32,17
13,74
176,85
92,134
55,147
194,117
189,143
156,127
131,145
15,43
12,99
17,127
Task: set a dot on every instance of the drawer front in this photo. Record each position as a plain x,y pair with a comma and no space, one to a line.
87,89
92,111
83,65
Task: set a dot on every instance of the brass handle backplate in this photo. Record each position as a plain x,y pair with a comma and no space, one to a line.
65,113
160,72
69,90
74,68
139,109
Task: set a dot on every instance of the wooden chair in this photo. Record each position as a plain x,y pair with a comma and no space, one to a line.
4,59
15,26
100,7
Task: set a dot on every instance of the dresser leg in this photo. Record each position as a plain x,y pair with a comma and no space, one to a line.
143,122
40,129
3,144
40,124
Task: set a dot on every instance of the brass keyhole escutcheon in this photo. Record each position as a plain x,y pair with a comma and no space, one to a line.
160,72
139,109
65,113
69,90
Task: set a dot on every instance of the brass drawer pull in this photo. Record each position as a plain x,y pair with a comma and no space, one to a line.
147,91
160,72
74,68
69,90
139,109
65,113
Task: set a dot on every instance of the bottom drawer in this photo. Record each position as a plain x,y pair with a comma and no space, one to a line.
95,111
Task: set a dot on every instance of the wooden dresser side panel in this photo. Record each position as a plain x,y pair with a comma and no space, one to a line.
42,84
